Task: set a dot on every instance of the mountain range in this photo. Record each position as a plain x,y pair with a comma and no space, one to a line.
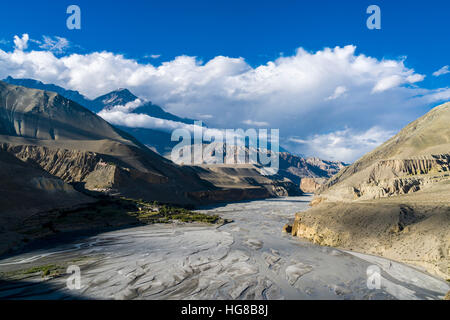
119,97
312,171
56,154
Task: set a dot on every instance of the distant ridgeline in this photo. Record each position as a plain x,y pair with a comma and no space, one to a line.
292,167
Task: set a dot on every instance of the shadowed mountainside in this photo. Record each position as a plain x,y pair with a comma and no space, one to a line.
55,155
54,133
312,171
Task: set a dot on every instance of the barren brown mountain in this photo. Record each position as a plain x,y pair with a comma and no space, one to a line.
394,201
56,154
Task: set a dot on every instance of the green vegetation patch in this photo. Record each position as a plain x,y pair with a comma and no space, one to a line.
46,270
150,213
50,270
109,212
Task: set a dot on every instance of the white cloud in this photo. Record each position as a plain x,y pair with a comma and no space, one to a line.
134,120
55,44
388,83
441,71
299,94
121,116
438,95
21,43
129,107
415,78
338,92
344,145
204,116
152,56
255,123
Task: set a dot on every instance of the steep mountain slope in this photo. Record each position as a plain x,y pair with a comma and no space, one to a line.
53,152
417,157
300,167
312,171
26,190
394,201
72,143
119,97
68,94
48,116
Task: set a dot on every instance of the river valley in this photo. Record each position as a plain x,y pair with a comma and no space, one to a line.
249,258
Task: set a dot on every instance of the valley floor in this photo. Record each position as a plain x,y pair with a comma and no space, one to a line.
247,259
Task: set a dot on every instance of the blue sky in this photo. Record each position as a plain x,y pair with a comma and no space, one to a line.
259,32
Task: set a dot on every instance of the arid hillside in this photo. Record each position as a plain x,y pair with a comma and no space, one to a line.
394,201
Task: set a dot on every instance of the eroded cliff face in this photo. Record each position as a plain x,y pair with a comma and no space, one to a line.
417,156
390,177
394,201
311,185
95,171
416,233
47,131
297,168
248,179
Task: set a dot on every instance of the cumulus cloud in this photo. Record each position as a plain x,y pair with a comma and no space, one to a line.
21,43
121,115
441,71
133,120
344,145
338,92
127,108
442,94
305,94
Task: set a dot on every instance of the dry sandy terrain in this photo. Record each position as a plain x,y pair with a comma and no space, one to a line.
247,259
413,228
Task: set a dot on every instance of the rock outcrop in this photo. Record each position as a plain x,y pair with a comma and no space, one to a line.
311,185
297,168
417,157
394,201
405,228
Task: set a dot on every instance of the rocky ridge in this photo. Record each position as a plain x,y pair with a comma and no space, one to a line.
394,201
